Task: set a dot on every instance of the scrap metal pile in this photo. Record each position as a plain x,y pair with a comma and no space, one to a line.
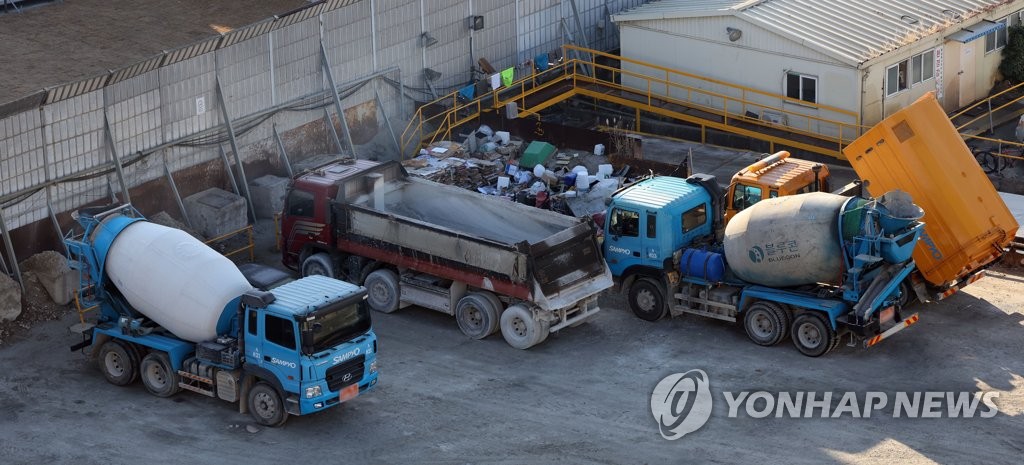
535,174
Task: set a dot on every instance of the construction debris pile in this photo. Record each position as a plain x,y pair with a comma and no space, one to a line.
535,174
50,285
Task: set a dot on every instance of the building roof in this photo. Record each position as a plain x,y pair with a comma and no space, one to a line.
853,31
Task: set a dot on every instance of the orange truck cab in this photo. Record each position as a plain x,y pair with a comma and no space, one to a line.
773,176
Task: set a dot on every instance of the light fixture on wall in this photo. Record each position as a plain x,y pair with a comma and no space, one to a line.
427,40
734,34
475,23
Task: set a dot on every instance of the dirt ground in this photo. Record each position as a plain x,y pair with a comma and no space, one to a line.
583,396
51,43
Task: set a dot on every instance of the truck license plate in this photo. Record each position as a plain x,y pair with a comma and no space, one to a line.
887,315
349,392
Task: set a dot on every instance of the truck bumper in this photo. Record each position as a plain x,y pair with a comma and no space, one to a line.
582,311
330,399
899,326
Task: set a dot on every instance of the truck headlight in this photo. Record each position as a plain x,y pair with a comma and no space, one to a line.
312,392
373,367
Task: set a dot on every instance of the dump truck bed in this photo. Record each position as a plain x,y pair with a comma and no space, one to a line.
918,150
525,252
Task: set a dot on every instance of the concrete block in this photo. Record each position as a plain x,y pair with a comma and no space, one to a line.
10,298
52,270
268,195
215,212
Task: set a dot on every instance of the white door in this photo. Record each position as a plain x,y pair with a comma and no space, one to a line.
967,94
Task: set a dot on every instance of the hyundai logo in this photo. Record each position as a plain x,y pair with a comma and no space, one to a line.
347,377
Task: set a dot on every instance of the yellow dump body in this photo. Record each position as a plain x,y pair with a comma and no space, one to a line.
918,150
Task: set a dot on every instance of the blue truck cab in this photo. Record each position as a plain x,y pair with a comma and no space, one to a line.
649,221
314,337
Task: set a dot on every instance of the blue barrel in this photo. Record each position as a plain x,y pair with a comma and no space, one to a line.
702,264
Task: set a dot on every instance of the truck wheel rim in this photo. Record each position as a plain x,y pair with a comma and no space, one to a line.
473,317
155,375
380,293
762,325
809,335
265,405
114,364
645,300
519,327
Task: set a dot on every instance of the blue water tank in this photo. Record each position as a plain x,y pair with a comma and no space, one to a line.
702,264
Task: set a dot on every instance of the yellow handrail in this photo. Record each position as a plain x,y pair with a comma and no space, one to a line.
729,109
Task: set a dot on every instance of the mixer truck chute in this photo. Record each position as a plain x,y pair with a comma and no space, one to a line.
178,315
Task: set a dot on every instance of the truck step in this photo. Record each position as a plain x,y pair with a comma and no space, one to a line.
704,313
201,379
205,392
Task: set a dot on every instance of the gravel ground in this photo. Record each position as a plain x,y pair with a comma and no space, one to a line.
581,397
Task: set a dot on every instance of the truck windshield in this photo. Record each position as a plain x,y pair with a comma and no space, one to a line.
331,325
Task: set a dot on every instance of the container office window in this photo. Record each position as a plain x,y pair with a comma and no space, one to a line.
996,39
922,67
896,77
802,87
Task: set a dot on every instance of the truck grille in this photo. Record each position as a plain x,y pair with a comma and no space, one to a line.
344,374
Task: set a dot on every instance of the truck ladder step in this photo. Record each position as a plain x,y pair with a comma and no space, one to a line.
185,374
206,392
705,313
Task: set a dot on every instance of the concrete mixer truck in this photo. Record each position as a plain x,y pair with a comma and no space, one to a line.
178,315
815,266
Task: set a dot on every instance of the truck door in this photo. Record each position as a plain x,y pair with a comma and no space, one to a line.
301,224
653,253
623,244
271,342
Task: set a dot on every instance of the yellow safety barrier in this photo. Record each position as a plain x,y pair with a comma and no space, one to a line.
217,242
670,93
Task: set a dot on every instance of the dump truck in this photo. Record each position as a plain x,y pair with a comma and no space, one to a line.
492,263
815,266
178,315
967,225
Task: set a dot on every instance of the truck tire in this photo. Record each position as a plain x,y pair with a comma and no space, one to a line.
157,375
907,294
478,315
812,335
647,300
266,406
117,365
764,323
318,264
520,329
382,290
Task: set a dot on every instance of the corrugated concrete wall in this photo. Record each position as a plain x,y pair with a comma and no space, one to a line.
165,114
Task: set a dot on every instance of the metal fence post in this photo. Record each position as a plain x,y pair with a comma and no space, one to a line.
337,99
234,147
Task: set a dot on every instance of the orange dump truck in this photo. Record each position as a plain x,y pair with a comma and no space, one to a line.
967,224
